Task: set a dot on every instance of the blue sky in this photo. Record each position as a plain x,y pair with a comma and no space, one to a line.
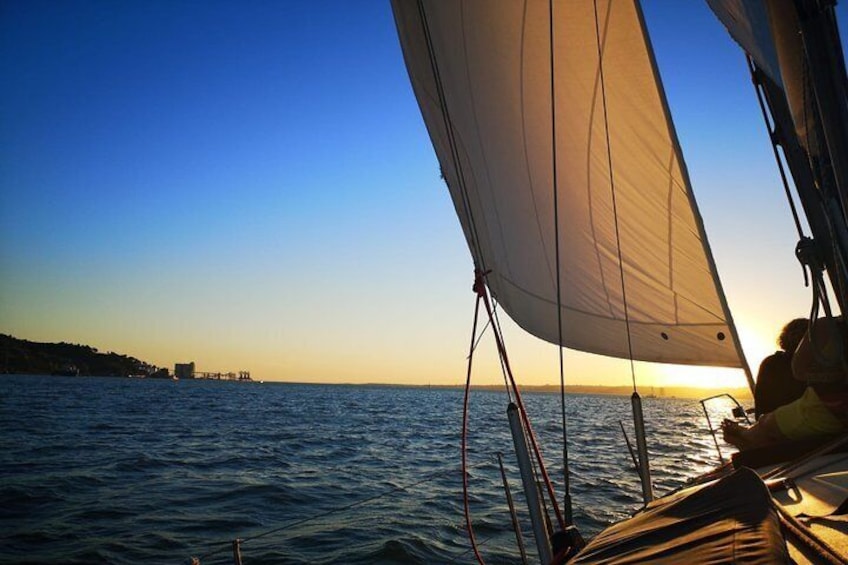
250,186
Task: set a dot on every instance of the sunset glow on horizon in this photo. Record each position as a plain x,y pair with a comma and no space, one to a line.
251,187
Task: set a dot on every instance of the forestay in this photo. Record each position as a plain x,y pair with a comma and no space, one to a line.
481,72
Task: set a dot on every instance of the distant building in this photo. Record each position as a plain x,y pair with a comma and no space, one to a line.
160,374
184,370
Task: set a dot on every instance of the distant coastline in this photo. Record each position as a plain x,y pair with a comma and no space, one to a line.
645,391
22,357
683,392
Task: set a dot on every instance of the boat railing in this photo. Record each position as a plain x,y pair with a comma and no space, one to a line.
738,412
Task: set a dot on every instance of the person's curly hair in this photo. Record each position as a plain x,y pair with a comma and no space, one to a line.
791,334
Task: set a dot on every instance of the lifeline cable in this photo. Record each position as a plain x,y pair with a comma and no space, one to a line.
565,471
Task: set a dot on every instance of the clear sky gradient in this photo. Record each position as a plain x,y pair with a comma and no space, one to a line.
250,186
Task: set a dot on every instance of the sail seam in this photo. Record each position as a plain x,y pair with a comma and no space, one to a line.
612,187
524,291
589,199
690,196
669,205
719,323
531,192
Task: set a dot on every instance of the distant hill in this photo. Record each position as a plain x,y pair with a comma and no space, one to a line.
19,356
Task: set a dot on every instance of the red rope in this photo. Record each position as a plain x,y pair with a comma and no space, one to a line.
468,525
479,287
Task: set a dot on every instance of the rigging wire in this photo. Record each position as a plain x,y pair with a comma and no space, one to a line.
477,250
474,243
612,192
464,442
518,401
480,265
806,250
565,469
771,126
480,336
496,327
813,134
495,323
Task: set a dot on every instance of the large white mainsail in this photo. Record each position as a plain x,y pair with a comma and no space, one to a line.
481,72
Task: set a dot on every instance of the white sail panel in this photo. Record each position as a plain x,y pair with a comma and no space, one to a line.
481,72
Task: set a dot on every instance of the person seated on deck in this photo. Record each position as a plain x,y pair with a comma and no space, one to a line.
822,409
776,385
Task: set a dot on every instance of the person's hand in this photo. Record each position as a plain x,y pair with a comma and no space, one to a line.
731,431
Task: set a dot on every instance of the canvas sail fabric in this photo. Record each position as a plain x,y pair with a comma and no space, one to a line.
481,72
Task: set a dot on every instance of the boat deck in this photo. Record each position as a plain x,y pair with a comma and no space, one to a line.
833,531
810,489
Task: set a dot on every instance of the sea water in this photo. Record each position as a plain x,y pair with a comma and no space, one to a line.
113,470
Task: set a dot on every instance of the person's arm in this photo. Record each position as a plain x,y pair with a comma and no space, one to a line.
764,432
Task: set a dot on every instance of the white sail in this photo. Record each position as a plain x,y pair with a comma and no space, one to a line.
481,72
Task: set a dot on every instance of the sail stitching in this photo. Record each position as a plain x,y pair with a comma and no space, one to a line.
699,223
589,199
612,186
531,191
669,206
720,321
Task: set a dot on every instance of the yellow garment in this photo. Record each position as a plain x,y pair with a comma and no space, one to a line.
806,417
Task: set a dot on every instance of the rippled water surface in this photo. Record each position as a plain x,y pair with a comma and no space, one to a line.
108,470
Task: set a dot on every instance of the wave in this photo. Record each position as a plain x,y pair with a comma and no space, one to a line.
338,474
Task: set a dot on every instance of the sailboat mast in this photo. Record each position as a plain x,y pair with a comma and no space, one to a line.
799,66
825,67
